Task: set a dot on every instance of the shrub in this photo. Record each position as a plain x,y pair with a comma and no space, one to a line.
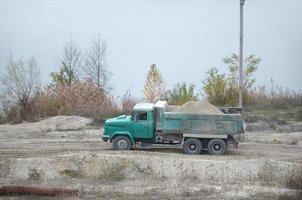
80,98
115,173
181,93
275,98
128,102
299,115
71,173
34,175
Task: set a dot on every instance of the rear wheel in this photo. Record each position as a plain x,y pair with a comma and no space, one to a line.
121,143
192,146
217,147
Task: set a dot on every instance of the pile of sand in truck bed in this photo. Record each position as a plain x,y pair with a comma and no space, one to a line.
197,107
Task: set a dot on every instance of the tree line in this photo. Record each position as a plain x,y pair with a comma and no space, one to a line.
222,89
82,86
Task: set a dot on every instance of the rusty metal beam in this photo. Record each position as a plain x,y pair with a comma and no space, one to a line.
41,191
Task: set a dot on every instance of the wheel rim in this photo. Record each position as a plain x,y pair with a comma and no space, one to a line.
216,147
122,144
192,147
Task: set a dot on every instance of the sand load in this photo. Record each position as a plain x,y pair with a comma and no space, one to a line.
196,107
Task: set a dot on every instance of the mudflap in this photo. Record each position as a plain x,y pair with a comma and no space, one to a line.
232,140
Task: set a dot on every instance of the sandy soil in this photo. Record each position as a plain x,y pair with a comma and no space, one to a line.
266,165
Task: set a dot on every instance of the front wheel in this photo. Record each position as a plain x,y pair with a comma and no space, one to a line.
121,143
217,147
192,146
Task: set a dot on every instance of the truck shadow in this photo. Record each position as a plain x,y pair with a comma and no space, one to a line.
178,150
160,149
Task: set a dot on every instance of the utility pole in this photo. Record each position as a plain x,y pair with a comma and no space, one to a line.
241,54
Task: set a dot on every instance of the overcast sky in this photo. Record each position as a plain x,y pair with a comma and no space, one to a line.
184,38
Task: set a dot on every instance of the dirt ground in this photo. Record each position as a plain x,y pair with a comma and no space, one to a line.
265,166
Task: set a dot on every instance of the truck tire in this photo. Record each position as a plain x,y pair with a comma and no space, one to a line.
192,146
217,147
121,143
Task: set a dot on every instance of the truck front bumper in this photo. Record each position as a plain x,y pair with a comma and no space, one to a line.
105,138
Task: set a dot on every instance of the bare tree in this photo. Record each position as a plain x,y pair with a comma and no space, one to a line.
20,82
128,102
96,66
70,62
154,85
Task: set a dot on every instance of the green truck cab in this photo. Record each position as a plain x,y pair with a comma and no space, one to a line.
156,124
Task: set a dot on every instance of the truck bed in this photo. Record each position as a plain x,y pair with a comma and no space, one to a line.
215,124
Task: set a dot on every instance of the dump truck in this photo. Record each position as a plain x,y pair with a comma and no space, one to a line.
161,123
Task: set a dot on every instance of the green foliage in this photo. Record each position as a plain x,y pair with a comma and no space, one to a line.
64,77
71,173
215,87
70,62
181,94
222,90
250,65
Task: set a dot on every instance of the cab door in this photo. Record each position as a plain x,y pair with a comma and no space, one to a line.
143,126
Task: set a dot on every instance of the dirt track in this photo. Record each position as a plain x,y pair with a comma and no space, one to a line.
89,140
261,167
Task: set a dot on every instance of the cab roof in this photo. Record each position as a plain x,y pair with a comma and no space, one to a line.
144,106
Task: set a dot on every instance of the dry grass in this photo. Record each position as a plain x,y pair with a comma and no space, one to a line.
71,173
295,180
34,175
275,98
114,173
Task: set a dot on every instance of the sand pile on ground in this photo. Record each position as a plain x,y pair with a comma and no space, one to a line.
57,123
197,107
